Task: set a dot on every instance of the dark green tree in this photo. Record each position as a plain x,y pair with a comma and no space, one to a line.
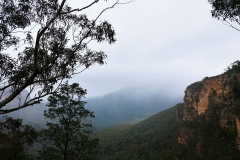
235,90
67,136
14,136
227,11
52,38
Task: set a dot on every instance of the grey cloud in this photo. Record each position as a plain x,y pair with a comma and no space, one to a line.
163,42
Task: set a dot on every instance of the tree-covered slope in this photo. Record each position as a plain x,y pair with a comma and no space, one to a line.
130,105
126,106
152,139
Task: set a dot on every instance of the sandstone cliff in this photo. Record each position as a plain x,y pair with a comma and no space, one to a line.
210,98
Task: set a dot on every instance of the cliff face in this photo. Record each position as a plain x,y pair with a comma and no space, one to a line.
210,98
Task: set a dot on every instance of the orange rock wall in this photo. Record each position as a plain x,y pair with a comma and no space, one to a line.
210,92
203,97
238,129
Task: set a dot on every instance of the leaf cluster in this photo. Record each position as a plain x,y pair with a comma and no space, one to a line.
226,10
67,133
54,54
14,137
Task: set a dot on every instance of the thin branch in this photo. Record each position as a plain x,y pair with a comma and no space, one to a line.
17,108
5,87
229,25
28,95
77,9
105,10
236,20
127,2
116,3
29,103
19,99
85,36
2,94
80,71
80,48
19,32
49,79
24,31
34,74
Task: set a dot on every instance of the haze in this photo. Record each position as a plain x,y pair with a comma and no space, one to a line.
160,43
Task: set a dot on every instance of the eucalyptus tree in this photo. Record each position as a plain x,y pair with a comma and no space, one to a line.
228,11
67,133
51,54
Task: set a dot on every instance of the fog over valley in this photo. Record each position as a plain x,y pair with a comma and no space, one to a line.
119,80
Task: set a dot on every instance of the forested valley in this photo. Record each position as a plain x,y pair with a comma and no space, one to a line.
138,112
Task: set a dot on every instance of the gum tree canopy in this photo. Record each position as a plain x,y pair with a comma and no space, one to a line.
227,11
52,53
67,135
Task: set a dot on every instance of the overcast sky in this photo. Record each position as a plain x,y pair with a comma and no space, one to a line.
162,43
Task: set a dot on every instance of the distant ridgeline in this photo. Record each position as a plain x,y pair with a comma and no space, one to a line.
126,106
205,127
130,105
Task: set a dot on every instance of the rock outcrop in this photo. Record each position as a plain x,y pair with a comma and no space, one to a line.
210,98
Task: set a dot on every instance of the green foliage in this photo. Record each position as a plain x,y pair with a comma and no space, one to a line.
14,137
150,139
226,10
233,68
67,135
227,134
157,137
130,105
210,140
236,92
49,56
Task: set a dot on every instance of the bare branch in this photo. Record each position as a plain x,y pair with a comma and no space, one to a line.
28,95
117,2
5,87
31,102
127,2
96,1
229,24
105,10
81,71
17,108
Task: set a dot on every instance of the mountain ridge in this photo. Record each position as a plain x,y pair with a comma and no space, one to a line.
130,105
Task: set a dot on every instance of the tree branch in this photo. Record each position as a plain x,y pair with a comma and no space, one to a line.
117,2
49,79
105,10
49,69
34,74
96,1
5,87
39,35
29,103
229,24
